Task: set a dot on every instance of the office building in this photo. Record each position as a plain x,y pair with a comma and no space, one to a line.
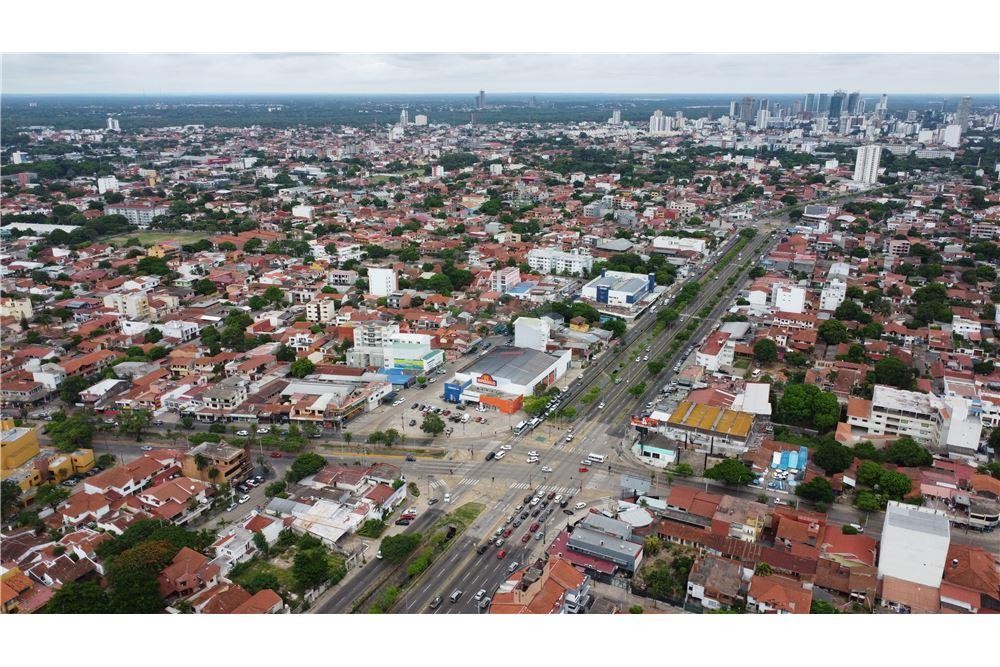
810,104
964,109
381,281
113,125
481,100
107,184
616,117
404,118
503,280
866,164
853,100
658,123
883,104
823,103
914,544
837,104
618,288
420,120
746,109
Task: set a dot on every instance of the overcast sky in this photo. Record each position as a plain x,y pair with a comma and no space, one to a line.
499,73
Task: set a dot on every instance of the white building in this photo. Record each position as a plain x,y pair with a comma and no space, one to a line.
660,124
531,332
832,295
133,305
553,260
866,164
382,281
619,288
302,211
789,298
718,350
762,117
496,169
107,184
677,243
139,213
411,352
322,311
420,120
951,136
113,125
899,412
502,280
914,544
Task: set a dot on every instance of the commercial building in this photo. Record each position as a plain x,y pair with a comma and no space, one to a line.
679,244
619,288
382,281
217,463
788,298
140,213
912,556
503,377
18,445
411,352
531,332
709,426
596,542
866,164
553,260
502,280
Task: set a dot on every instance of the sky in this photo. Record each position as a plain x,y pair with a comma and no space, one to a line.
420,73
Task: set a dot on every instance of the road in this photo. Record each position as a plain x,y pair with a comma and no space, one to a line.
462,568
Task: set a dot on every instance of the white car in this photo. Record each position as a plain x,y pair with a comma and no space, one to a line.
499,455
546,469
379,554
532,459
506,448
243,433
447,497
479,594
263,431
532,453
558,498
579,506
244,498
146,448
569,436
601,405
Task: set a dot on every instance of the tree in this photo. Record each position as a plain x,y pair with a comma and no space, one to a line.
731,472
895,484
187,421
134,422
832,456
275,488
71,433
311,567
893,372
822,607
808,405
284,353
432,425
69,390
260,542
132,577
868,501
153,335
683,470
870,473
655,367
10,495
79,597
105,460
301,368
817,489
652,545
907,452
833,332
396,548
51,495
304,465
765,351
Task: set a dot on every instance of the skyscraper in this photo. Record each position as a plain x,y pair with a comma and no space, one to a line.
837,103
746,109
762,118
962,117
616,117
823,105
404,118
852,103
734,109
481,100
658,123
883,104
113,124
866,164
810,102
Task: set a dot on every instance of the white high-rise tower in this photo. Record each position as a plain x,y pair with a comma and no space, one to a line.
866,164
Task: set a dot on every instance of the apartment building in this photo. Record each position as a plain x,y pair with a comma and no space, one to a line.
502,280
322,311
133,305
230,464
139,213
553,260
899,412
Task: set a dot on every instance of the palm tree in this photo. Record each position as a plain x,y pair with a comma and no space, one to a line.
200,461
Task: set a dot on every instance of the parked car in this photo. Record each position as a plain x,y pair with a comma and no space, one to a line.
479,594
275,455
501,554
584,469
485,602
552,494
546,469
403,522
263,430
413,422
580,506
244,498
411,458
490,455
243,433
512,566
146,448
231,507
526,537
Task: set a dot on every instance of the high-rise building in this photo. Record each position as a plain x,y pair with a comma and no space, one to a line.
852,103
381,281
951,136
763,104
866,164
859,110
420,119
762,117
823,103
964,108
747,109
616,117
810,104
837,103
481,100
883,104
404,118
734,109
658,123
113,124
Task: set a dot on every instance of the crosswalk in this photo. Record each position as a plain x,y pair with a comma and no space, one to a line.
469,481
438,484
565,490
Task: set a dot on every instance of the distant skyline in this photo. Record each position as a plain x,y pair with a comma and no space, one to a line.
456,73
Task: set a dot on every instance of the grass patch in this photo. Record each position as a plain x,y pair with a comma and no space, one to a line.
260,568
150,238
741,362
462,517
372,528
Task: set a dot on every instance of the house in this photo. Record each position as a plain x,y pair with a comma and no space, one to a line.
715,582
187,573
776,594
555,587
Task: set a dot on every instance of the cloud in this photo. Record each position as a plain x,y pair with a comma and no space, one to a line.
206,73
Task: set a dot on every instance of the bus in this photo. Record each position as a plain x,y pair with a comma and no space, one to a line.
596,458
521,426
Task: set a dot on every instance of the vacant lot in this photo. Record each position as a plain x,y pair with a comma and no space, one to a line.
150,238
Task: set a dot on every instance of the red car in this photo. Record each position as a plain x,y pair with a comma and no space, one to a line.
275,455
527,536
501,554
533,527
552,494
584,469
507,532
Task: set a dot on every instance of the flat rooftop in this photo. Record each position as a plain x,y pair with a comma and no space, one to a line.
519,365
917,519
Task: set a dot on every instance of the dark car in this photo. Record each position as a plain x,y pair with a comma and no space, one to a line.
552,494
568,512
527,498
527,536
459,407
413,422
537,511
411,457
402,522
525,514
490,456
481,549
563,503
414,406
436,602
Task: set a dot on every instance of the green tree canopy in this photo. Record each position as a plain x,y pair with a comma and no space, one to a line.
731,472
